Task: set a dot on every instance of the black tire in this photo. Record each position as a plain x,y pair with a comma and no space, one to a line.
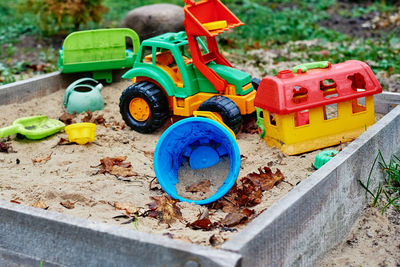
226,108
154,97
256,82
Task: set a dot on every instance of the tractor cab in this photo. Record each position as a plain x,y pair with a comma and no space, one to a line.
170,53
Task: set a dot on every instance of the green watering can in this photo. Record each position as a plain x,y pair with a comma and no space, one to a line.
36,127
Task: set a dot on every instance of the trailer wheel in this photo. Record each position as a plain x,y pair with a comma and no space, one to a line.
226,108
144,107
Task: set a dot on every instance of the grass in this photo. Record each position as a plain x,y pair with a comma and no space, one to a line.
269,24
388,190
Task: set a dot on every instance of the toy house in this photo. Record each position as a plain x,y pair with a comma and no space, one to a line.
316,105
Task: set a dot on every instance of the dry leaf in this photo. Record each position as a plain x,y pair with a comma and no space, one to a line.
40,205
68,118
265,178
164,209
99,120
5,147
123,171
62,141
249,191
202,186
42,159
68,204
127,207
233,219
203,224
117,166
248,212
88,117
108,163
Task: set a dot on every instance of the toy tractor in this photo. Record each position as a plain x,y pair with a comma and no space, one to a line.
178,74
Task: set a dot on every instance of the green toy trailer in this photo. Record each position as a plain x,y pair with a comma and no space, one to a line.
98,52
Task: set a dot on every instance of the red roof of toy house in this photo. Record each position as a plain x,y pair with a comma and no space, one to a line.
292,92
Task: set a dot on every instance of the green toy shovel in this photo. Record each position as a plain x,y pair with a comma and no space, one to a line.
36,127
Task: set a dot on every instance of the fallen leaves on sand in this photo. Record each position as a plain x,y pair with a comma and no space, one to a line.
265,178
203,222
164,209
67,204
42,159
99,120
5,147
40,205
247,193
117,166
67,118
203,186
233,219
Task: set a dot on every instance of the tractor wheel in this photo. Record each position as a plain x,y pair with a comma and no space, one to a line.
144,107
226,108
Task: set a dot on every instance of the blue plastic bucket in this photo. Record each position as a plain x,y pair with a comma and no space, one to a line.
176,144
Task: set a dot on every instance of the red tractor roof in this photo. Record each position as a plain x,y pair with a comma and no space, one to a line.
290,92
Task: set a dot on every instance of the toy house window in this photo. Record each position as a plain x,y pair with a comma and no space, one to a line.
328,88
330,111
358,105
301,118
357,82
272,119
300,94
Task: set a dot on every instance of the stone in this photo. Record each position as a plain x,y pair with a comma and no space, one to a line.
152,20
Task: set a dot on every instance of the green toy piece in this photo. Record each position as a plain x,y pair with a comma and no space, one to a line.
36,127
323,157
312,65
98,51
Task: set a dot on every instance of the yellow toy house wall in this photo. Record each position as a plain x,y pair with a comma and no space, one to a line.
352,120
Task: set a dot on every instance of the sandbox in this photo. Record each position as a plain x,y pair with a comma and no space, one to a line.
307,217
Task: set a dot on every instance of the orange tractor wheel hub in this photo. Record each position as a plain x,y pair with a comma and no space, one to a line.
139,109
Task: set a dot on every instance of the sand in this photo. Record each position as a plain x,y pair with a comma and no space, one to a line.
373,241
71,171
188,177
